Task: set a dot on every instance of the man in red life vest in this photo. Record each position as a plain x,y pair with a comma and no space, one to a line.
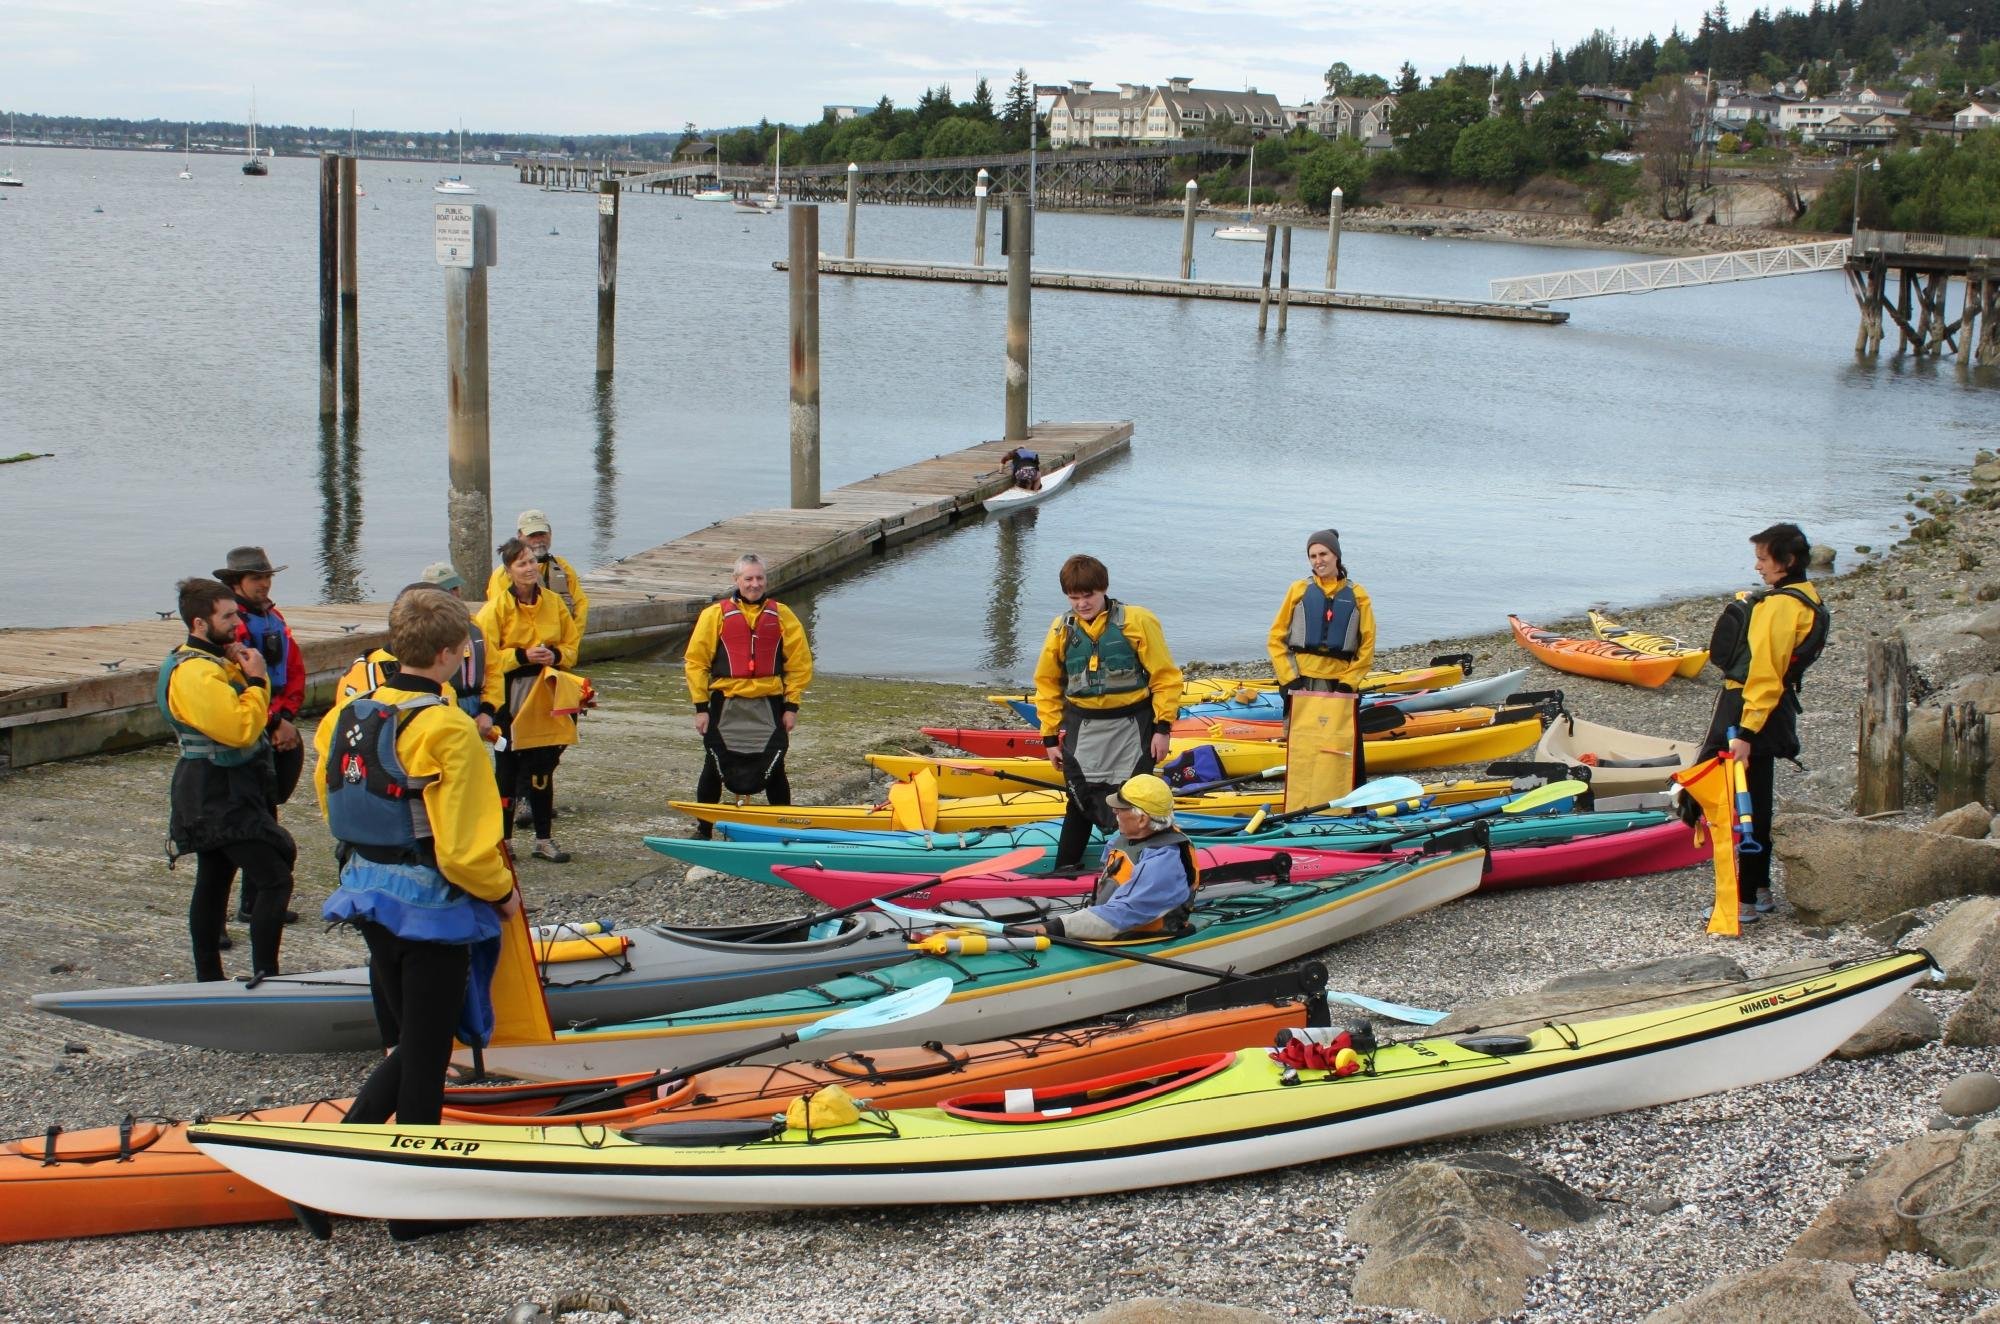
748,664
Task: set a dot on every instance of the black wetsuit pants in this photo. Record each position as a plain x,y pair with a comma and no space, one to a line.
267,887
1753,869
529,774
421,985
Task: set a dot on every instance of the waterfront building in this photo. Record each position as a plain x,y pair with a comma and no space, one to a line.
1364,119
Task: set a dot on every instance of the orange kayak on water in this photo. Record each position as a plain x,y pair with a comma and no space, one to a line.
1593,657
144,1176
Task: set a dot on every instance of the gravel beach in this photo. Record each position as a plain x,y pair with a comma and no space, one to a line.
86,902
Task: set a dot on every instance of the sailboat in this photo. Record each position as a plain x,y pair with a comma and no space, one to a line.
453,183
187,145
353,156
8,179
1243,229
255,165
763,204
717,193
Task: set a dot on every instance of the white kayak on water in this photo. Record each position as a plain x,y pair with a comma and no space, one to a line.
1014,498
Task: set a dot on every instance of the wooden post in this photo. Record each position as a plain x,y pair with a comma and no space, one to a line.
329,281
853,175
979,190
350,292
465,248
1333,238
1264,289
607,272
1020,246
1187,233
804,278
1962,758
1284,278
1878,775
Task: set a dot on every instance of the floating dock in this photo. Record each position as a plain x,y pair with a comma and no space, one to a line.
88,689
1168,288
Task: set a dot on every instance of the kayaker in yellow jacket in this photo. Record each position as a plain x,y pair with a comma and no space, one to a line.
528,628
215,694
748,664
1323,637
1763,643
1107,692
554,572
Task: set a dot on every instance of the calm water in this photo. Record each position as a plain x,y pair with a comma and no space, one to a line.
164,348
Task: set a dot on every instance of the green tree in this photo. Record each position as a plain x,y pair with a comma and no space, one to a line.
1427,124
982,101
1019,112
1756,133
962,136
1561,131
1406,79
1493,151
1338,76
1341,163
1368,85
1673,57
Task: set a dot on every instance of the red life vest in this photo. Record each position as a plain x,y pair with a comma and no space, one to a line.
748,651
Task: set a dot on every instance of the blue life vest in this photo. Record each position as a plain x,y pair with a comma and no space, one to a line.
267,636
472,673
375,810
194,744
1327,626
1104,666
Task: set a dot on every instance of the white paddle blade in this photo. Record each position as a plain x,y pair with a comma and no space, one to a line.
885,1010
1394,1011
1379,791
937,920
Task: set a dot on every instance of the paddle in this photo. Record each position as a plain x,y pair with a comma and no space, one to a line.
1379,791
898,1006
1520,804
1013,859
994,926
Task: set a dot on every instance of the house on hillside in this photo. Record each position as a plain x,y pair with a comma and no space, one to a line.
1364,119
842,114
695,152
1867,118
1976,116
1081,117
1181,110
1612,105
1735,112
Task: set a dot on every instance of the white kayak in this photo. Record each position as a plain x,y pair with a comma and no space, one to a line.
1014,498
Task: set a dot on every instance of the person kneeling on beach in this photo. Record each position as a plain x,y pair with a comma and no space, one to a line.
1149,878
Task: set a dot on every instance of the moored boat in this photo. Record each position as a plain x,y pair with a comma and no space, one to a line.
1189,1120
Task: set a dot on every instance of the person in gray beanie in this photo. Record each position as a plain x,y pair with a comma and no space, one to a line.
1323,637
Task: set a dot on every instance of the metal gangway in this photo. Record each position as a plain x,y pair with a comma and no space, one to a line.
1673,273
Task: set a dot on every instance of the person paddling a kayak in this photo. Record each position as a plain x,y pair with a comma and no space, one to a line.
1107,692
1150,874
1323,637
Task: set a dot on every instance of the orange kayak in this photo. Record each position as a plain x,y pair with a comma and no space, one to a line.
1593,657
144,1176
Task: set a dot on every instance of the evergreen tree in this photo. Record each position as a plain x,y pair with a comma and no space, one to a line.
982,101
1406,79
1020,111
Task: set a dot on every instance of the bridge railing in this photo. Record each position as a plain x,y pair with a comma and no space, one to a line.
1934,245
1672,273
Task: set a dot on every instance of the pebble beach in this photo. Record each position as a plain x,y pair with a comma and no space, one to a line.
1692,1192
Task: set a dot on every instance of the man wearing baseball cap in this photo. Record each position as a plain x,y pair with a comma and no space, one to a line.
558,575
1150,873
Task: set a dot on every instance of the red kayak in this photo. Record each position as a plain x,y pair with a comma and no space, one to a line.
1658,848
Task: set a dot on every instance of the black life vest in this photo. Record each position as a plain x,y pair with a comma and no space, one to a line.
745,650
1327,626
1729,642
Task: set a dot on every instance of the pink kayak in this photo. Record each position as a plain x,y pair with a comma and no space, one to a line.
1656,849
846,887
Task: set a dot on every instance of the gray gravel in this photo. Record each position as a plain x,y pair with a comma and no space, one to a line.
1747,1170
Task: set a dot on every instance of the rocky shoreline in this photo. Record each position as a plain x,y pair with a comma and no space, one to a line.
1690,1200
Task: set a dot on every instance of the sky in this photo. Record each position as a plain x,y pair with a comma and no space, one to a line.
627,66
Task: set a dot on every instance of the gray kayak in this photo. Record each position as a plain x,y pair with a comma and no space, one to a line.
665,969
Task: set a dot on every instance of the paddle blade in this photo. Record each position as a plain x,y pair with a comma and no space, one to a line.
937,920
888,1010
1394,1011
1379,791
1013,859
1541,795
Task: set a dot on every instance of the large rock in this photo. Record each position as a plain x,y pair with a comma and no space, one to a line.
1632,988
1923,738
1971,1095
1480,1182
1969,821
1458,1266
1966,941
1907,1024
1860,1225
1789,1292
1981,691
1976,1023
1840,870
1175,1310
1986,626
1964,1230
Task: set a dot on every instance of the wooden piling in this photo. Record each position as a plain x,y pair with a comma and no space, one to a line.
804,282
329,282
979,191
1878,776
1333,210
1187,232
1020,247
1963,757
607,273
350,291
468,425
1264,285
853,178
1284,278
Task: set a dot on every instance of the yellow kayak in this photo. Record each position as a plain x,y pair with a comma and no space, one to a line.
1690,659
970,776
1242,689
1017,808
